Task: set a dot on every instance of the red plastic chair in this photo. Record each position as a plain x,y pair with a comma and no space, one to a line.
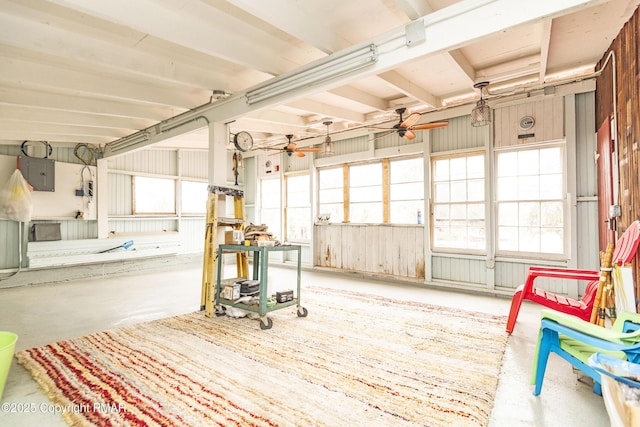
624,252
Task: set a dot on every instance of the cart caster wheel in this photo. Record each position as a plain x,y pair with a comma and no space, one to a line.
220,311
302,312
268,325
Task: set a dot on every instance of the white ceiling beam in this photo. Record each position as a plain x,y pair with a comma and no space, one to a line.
196,24
517,68
250,124
96,83
55,128
325,110
544,48
282,117
298,19
37,135
414,9
40,115
406,86
445,29
76,50
76,104
361,97
463,63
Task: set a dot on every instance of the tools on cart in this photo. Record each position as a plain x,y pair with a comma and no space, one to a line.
257,235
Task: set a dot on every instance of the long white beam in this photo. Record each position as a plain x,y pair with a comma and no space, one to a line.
444,30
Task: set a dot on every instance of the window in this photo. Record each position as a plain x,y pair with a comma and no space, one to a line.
406,190
270,206
154,195
298,209
458,202
365,193
530,193
331,193
194,197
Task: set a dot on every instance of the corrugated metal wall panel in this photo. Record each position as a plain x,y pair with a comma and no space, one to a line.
461,270
587,184
392,140
194,164
144,225
162,162
10,150
295,163
120,194
352,145
458,135
192,232
74,229
9,255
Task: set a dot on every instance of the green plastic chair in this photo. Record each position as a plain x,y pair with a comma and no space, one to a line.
575,340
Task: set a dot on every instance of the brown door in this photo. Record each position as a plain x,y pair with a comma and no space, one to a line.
604,162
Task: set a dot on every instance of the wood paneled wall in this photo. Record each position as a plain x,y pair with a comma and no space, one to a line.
622,59
379,249
549,122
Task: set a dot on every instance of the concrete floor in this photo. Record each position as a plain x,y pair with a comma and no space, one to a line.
43,314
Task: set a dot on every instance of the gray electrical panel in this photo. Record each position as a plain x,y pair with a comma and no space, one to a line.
40,173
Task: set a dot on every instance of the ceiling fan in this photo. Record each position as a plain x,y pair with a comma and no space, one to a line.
292,148
405,127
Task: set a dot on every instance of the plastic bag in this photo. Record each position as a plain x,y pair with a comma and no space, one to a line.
15,198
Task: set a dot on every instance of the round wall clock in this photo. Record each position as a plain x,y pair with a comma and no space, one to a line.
527,122
243,141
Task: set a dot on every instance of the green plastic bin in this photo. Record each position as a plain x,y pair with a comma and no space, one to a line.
7,347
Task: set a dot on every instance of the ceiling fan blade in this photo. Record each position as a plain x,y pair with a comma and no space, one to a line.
432,125
310,149
382,135
411,120
298,153
408,135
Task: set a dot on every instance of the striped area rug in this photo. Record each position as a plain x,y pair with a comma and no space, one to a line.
356,360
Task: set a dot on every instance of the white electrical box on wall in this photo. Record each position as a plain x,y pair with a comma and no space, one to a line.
269,166
61,201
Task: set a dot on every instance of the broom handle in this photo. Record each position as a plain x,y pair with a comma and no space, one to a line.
605,263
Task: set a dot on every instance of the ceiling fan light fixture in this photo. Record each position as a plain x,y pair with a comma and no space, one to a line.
481,113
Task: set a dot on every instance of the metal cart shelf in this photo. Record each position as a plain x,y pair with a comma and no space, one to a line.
260,273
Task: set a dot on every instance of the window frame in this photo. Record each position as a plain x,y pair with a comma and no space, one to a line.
308,206
433,204
135,202
564,255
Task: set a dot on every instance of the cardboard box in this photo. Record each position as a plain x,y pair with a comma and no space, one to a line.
230,292
233,237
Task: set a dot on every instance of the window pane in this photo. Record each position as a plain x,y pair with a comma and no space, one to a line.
530,200
298,208
331,193
366,212
406,170
459,205
154,195
406,212
365,193
194,197
270,212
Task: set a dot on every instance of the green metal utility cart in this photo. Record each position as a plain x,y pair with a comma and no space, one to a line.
260,273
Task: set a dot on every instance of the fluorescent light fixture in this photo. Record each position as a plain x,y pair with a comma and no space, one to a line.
315,74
